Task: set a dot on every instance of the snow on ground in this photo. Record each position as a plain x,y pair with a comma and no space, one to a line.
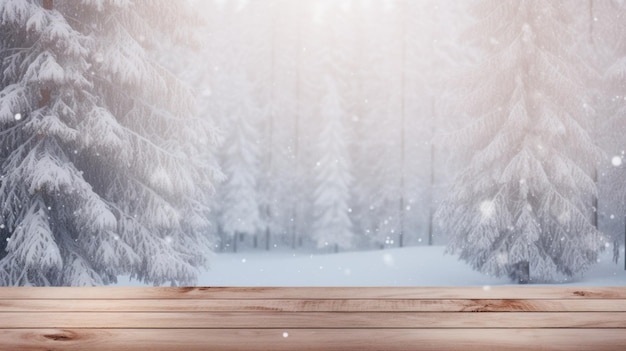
411,266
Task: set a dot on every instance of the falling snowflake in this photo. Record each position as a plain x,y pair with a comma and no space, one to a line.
616,161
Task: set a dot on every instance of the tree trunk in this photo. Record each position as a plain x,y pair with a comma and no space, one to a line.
521,272
270,131
431,206
296,141
594,200
221,236
45,97
402,127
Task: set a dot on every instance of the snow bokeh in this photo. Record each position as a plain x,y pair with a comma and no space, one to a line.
616,161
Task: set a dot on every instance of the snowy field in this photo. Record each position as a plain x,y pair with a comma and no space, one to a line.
412,266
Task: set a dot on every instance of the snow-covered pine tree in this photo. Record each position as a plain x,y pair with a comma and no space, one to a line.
101,156
376,148
328,97
240,159
270,41
607,29
332,225
525,197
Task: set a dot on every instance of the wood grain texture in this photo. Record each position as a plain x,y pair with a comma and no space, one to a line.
472,318
312,339
313,305
352,293
335,320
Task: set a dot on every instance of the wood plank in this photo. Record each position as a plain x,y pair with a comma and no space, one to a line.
509,318
308,305
338,320
311,339
499,292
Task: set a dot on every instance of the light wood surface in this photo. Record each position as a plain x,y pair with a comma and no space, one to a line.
312,305
352,293
312,339
336,320
471,318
